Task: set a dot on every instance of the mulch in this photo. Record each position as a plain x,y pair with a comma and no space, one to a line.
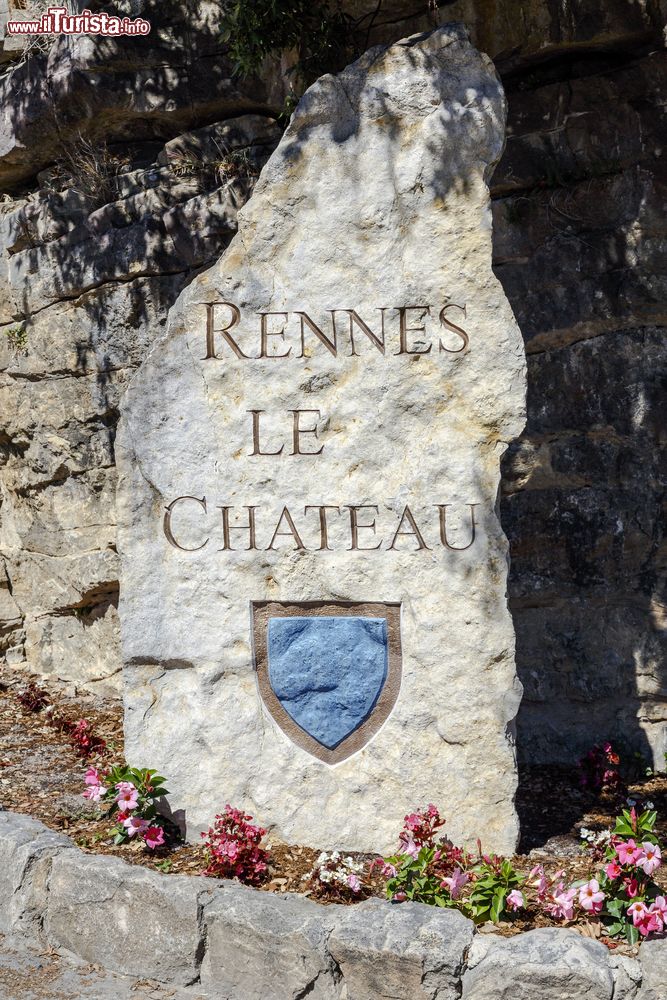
41,774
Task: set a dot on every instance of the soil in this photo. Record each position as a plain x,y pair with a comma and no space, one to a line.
41,774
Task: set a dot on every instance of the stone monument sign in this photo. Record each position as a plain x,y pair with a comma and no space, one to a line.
313,594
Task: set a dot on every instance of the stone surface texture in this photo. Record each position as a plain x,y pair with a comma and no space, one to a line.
260,946
579,243
27,849
419,126
126,918
545,964
394,951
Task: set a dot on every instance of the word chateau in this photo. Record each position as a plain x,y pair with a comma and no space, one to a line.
414,330
191,523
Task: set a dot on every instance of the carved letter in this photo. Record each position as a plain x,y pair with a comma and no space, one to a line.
227,528
355,528
442,507
356,318
322,337
265,334
324,534
256,446
405,330
292,533
211,331
167,523
414,533
459,331
298,431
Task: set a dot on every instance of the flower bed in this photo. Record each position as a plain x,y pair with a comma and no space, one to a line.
614,890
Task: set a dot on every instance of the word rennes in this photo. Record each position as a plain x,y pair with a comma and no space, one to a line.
325,527
408,328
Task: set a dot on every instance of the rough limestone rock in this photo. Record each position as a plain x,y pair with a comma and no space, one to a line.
27,849
653,957
409,950
262,947
375,206
546,964
126,918
89,286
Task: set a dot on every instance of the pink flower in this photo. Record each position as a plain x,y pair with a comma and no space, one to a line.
128,796
637,911
631,887
590,897
92,776
408,846
540,881
455,883
660,906
627,851
153,837
95,793
399,897
354,883
515,900
562,907
386,870
135,824
649,858
613,870
413,821
648,921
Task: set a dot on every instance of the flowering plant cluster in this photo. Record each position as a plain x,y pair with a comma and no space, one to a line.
600,769
424,870
623,896
233,848
84,741
624,893
33,698
336,876
130,795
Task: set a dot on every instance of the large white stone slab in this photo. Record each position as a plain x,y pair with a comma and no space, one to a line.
375,201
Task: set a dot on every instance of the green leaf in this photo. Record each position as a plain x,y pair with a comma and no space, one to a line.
498,905
631,933
616,928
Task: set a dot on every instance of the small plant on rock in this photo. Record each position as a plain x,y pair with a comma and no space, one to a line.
130,794
233,848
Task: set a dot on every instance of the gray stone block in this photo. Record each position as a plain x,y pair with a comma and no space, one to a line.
545,964
263,947
27,848
126,918
653,959
627,974
407,951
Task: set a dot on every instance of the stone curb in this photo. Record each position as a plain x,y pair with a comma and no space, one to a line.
242,944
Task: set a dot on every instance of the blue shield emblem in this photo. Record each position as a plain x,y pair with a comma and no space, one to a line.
324,677
328,673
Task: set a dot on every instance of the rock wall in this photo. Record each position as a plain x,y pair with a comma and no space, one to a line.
243,944
88,271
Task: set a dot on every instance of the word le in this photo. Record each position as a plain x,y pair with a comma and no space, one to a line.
59,21
277,328
358,520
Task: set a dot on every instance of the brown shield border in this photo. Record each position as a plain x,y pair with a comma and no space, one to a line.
261,611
